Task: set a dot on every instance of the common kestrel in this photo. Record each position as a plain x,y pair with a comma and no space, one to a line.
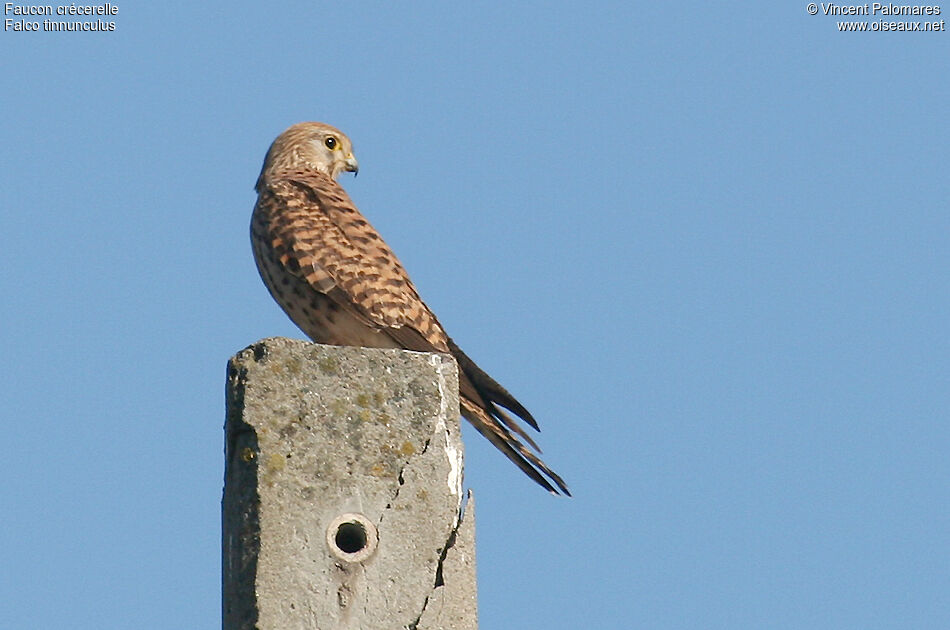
341,284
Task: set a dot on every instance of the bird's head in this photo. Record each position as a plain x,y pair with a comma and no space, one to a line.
310,146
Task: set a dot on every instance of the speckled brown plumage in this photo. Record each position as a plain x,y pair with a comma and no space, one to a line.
341,284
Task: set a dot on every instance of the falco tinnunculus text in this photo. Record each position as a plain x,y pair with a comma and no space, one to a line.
341,284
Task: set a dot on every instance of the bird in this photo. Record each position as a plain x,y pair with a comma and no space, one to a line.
339,282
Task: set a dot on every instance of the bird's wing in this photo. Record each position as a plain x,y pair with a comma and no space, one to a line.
318,234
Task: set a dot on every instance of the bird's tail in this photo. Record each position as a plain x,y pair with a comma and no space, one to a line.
508,444
481,398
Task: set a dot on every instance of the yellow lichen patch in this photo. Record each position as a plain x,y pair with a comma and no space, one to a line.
407,449
329,365
293,365
378,470
338,407
364,415
362,400
384,419
276,463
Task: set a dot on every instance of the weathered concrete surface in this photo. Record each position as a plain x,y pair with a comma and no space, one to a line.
315,434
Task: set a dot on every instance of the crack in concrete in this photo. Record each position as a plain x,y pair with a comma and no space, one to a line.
401,479
439,578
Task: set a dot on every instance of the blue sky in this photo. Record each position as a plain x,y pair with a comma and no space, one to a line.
706,244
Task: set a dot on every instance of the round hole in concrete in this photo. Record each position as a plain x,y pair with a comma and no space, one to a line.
351,537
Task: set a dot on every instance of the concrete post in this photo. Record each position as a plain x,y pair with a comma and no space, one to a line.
343,498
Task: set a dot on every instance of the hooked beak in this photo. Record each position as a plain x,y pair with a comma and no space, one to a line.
352,165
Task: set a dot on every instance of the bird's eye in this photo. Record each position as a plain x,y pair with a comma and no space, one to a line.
331,143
